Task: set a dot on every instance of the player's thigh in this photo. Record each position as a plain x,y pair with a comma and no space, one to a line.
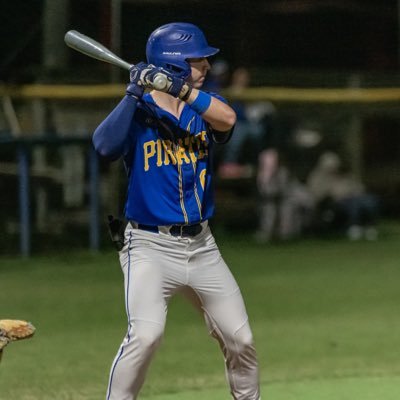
219,292
225,313
145,283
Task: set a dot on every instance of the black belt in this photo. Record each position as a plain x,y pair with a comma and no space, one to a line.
176,230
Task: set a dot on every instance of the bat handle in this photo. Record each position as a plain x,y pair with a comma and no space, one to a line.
160,81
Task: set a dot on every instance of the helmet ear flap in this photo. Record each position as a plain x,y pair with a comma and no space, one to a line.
179,71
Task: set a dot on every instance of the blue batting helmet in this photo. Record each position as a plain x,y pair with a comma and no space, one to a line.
170,45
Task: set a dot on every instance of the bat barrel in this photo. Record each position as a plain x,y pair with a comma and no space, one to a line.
91,48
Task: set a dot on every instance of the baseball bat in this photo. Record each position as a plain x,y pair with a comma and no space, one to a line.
90,47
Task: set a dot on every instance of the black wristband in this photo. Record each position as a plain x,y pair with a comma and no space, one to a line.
187,94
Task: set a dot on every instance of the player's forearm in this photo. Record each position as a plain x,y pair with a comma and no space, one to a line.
219,115
111,137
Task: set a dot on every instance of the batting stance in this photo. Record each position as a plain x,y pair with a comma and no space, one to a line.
166,138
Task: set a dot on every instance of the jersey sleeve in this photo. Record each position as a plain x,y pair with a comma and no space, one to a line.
113,137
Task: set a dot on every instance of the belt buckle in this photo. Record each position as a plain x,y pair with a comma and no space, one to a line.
183,231
186,230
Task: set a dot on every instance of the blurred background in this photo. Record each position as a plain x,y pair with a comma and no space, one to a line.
314,83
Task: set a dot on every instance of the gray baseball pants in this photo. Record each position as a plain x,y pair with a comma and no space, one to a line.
155,267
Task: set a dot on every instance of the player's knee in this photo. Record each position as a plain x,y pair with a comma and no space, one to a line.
149,343
243,339
148,337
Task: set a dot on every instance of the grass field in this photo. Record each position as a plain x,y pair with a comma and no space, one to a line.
325,316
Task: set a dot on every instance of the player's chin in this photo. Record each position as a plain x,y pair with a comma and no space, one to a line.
198,83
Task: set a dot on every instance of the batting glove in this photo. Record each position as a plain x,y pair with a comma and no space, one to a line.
137,84
151,77
170,83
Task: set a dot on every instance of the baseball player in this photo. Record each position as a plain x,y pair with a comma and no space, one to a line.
166,138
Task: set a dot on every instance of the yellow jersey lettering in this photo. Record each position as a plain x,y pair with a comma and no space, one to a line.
203,135
189,143
169,154
159,153
186,151
149,149
202,144
202,177
181,154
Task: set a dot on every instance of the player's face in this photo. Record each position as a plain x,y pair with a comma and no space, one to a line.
200,67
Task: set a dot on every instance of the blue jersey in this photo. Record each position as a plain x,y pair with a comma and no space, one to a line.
168,162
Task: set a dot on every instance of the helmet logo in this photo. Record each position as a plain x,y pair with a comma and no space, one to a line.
172,53
180,37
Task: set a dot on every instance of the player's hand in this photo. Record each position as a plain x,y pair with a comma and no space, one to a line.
144,76
137,75
174,85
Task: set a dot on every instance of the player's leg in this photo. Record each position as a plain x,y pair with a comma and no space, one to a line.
238,350
147,290
226,316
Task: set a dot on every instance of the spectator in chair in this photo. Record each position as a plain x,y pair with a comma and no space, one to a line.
346,195
286,205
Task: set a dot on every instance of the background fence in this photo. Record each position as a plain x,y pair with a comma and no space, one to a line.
56,192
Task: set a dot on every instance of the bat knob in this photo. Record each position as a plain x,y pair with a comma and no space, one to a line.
160,81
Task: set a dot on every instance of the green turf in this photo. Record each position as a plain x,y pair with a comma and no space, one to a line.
326,389
324,316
